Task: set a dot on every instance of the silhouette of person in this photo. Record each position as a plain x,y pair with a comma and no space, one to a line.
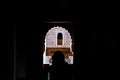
59,70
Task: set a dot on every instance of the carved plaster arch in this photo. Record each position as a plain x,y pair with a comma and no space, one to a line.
51,43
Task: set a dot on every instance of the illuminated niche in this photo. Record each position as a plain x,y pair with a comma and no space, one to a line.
57,39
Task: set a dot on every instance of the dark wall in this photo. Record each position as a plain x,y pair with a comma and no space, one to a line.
94,49
94,36
91,50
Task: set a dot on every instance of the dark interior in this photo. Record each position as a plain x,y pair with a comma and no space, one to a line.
94,37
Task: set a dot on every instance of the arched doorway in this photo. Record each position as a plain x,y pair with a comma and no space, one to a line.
57,39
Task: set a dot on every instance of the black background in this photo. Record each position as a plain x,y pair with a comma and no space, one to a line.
94,37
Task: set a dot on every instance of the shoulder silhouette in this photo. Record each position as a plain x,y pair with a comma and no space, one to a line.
59,70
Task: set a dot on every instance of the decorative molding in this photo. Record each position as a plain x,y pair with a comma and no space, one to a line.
51,37
51,43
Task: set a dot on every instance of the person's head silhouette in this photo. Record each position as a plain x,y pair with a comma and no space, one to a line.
59,70
58,58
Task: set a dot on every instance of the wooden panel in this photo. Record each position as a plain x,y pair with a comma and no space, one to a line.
59,41
50,51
